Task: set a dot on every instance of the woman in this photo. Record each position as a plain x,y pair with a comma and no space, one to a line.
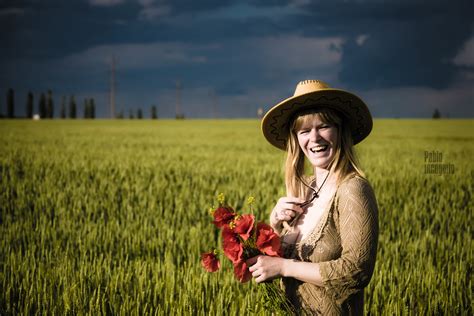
328,221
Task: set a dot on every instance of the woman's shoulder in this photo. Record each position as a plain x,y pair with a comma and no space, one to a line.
354,184
355,194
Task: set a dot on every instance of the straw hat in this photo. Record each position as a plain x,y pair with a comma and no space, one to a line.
314,94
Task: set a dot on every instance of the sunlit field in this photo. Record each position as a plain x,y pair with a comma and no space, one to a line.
110,217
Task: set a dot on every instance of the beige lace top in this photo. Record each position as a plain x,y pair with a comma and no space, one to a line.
344,243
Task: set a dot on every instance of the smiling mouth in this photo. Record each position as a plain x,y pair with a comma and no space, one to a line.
319,148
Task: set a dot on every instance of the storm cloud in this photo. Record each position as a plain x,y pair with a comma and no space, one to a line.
250,53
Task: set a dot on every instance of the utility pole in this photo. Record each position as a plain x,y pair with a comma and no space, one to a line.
112,88
178,99
213,96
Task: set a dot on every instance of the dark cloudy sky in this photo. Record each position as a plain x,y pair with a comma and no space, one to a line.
404,57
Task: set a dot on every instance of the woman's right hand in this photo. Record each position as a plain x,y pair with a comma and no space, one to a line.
285,210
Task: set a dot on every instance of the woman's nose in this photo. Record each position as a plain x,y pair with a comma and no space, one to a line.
314,135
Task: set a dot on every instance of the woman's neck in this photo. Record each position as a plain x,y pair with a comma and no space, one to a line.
322,174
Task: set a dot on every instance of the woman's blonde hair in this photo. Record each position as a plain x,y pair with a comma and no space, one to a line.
344,163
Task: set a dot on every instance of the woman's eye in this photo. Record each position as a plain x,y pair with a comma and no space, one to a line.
303,131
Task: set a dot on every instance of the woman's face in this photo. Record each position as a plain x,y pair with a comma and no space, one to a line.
318,141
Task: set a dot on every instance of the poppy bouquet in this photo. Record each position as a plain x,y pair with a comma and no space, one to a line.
242,239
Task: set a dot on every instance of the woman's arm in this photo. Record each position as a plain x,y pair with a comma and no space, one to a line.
266,268
303,271
358,225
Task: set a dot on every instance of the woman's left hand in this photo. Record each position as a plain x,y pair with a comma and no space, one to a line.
265,268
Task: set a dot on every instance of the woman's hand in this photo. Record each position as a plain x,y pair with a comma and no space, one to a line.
285,210
265,268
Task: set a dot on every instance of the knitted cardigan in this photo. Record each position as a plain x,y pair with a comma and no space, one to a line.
344,243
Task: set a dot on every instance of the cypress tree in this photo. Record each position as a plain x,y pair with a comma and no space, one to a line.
92,108
154,115
130,114
139,114
42,106
10,103
436,114
86,109
72,107
50,105
29,105
62,112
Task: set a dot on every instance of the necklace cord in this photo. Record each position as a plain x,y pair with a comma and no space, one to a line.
289,225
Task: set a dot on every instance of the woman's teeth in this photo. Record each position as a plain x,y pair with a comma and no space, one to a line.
319,148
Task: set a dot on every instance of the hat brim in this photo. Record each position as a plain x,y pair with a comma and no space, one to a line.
276,122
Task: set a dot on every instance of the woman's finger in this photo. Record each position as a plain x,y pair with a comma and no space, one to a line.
285,215
251,261
293,207
261,278
282,216
292,200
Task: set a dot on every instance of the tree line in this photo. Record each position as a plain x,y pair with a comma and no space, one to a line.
139,113
68,109
45,107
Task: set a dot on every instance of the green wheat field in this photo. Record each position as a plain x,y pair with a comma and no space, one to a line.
110,217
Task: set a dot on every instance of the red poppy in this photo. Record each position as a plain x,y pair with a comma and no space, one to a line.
231,244
268,241
244,225
223,215
241,271
210,262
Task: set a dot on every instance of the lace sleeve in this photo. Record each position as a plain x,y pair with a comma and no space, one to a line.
358,226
